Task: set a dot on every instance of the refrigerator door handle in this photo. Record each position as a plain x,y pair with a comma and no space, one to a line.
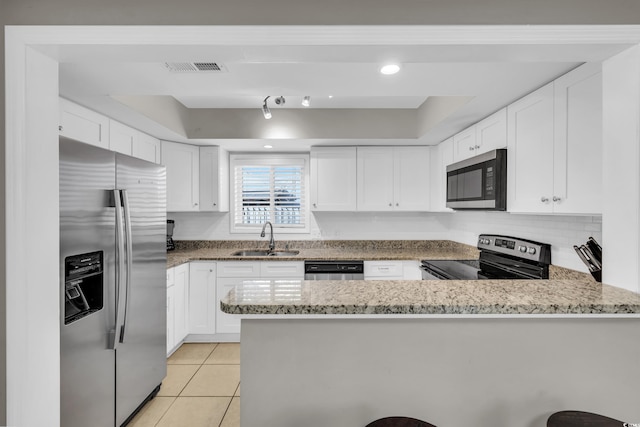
115,334
129,260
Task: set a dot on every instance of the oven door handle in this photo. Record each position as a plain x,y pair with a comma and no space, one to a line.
524,275
433,273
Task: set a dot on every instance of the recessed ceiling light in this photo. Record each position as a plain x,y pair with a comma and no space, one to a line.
390,69
268,146
330,96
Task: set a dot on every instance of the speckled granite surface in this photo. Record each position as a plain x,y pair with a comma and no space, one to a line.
430,297
368,250
567,291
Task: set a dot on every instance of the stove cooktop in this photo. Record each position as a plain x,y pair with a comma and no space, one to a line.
501,257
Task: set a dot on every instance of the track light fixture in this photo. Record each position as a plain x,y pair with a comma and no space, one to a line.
266,112
306,101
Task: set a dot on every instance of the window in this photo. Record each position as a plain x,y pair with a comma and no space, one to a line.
269,188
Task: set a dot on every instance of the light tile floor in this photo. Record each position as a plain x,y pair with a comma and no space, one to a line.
202,389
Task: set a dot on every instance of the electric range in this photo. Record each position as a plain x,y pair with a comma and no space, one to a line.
501,257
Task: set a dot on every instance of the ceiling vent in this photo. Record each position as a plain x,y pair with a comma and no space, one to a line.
195,67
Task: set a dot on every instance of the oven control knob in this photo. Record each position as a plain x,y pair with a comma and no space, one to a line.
522,249
532,251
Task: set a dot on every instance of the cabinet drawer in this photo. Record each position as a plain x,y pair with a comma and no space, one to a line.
239,269
383,269
291,269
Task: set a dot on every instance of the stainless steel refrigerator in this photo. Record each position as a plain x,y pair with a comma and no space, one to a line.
112,284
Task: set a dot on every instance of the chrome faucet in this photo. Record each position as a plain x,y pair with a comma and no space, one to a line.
272,243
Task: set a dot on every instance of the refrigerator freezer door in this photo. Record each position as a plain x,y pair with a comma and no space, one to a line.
87,178
141,353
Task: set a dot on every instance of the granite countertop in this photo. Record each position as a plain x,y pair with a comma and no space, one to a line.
366,250
502,297
567,291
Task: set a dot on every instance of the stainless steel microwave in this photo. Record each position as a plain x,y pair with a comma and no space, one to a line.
479,182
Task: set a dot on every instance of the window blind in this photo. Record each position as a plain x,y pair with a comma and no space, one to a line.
269,189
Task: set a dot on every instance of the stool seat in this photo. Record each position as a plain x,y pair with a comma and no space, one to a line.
399,422
581,419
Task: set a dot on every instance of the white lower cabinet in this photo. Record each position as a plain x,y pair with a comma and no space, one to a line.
177,305
233,273
230,274
202,297
181,298
171,306
392,270
383,270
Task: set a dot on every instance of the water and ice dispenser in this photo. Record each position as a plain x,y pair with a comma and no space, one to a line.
84,284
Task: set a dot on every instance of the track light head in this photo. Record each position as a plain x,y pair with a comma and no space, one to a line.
280,100
306,101
265,109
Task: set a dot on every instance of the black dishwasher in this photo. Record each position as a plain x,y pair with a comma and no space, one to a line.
333,270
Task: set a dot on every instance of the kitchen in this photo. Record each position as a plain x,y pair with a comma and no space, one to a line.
376,218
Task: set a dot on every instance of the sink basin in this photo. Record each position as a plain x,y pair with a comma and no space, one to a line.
264,252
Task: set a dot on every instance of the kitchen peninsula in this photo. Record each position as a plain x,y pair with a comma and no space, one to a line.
482,353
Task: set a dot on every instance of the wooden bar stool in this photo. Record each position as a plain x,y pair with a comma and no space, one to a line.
581,419
399,422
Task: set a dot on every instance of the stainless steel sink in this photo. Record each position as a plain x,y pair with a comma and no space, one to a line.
265,252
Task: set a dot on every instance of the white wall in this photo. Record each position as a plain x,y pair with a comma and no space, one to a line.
323,225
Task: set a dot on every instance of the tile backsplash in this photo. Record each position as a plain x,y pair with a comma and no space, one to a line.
562,232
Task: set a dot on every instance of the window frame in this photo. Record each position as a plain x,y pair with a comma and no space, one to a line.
271,159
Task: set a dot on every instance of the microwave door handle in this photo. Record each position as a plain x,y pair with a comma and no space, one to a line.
114,335
129,261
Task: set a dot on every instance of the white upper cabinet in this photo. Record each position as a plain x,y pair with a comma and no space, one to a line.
441,157
183,176
412,182
577,155
491,133
146,147
555,146
486,135
333,178
130,141
214,179
464,144
82,124
121,137
530,152
375,178
393,178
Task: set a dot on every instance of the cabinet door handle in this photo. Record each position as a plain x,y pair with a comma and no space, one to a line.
544,199
60,128
556,199
397,204
315,206
390,204
195,204
476,147
471,148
